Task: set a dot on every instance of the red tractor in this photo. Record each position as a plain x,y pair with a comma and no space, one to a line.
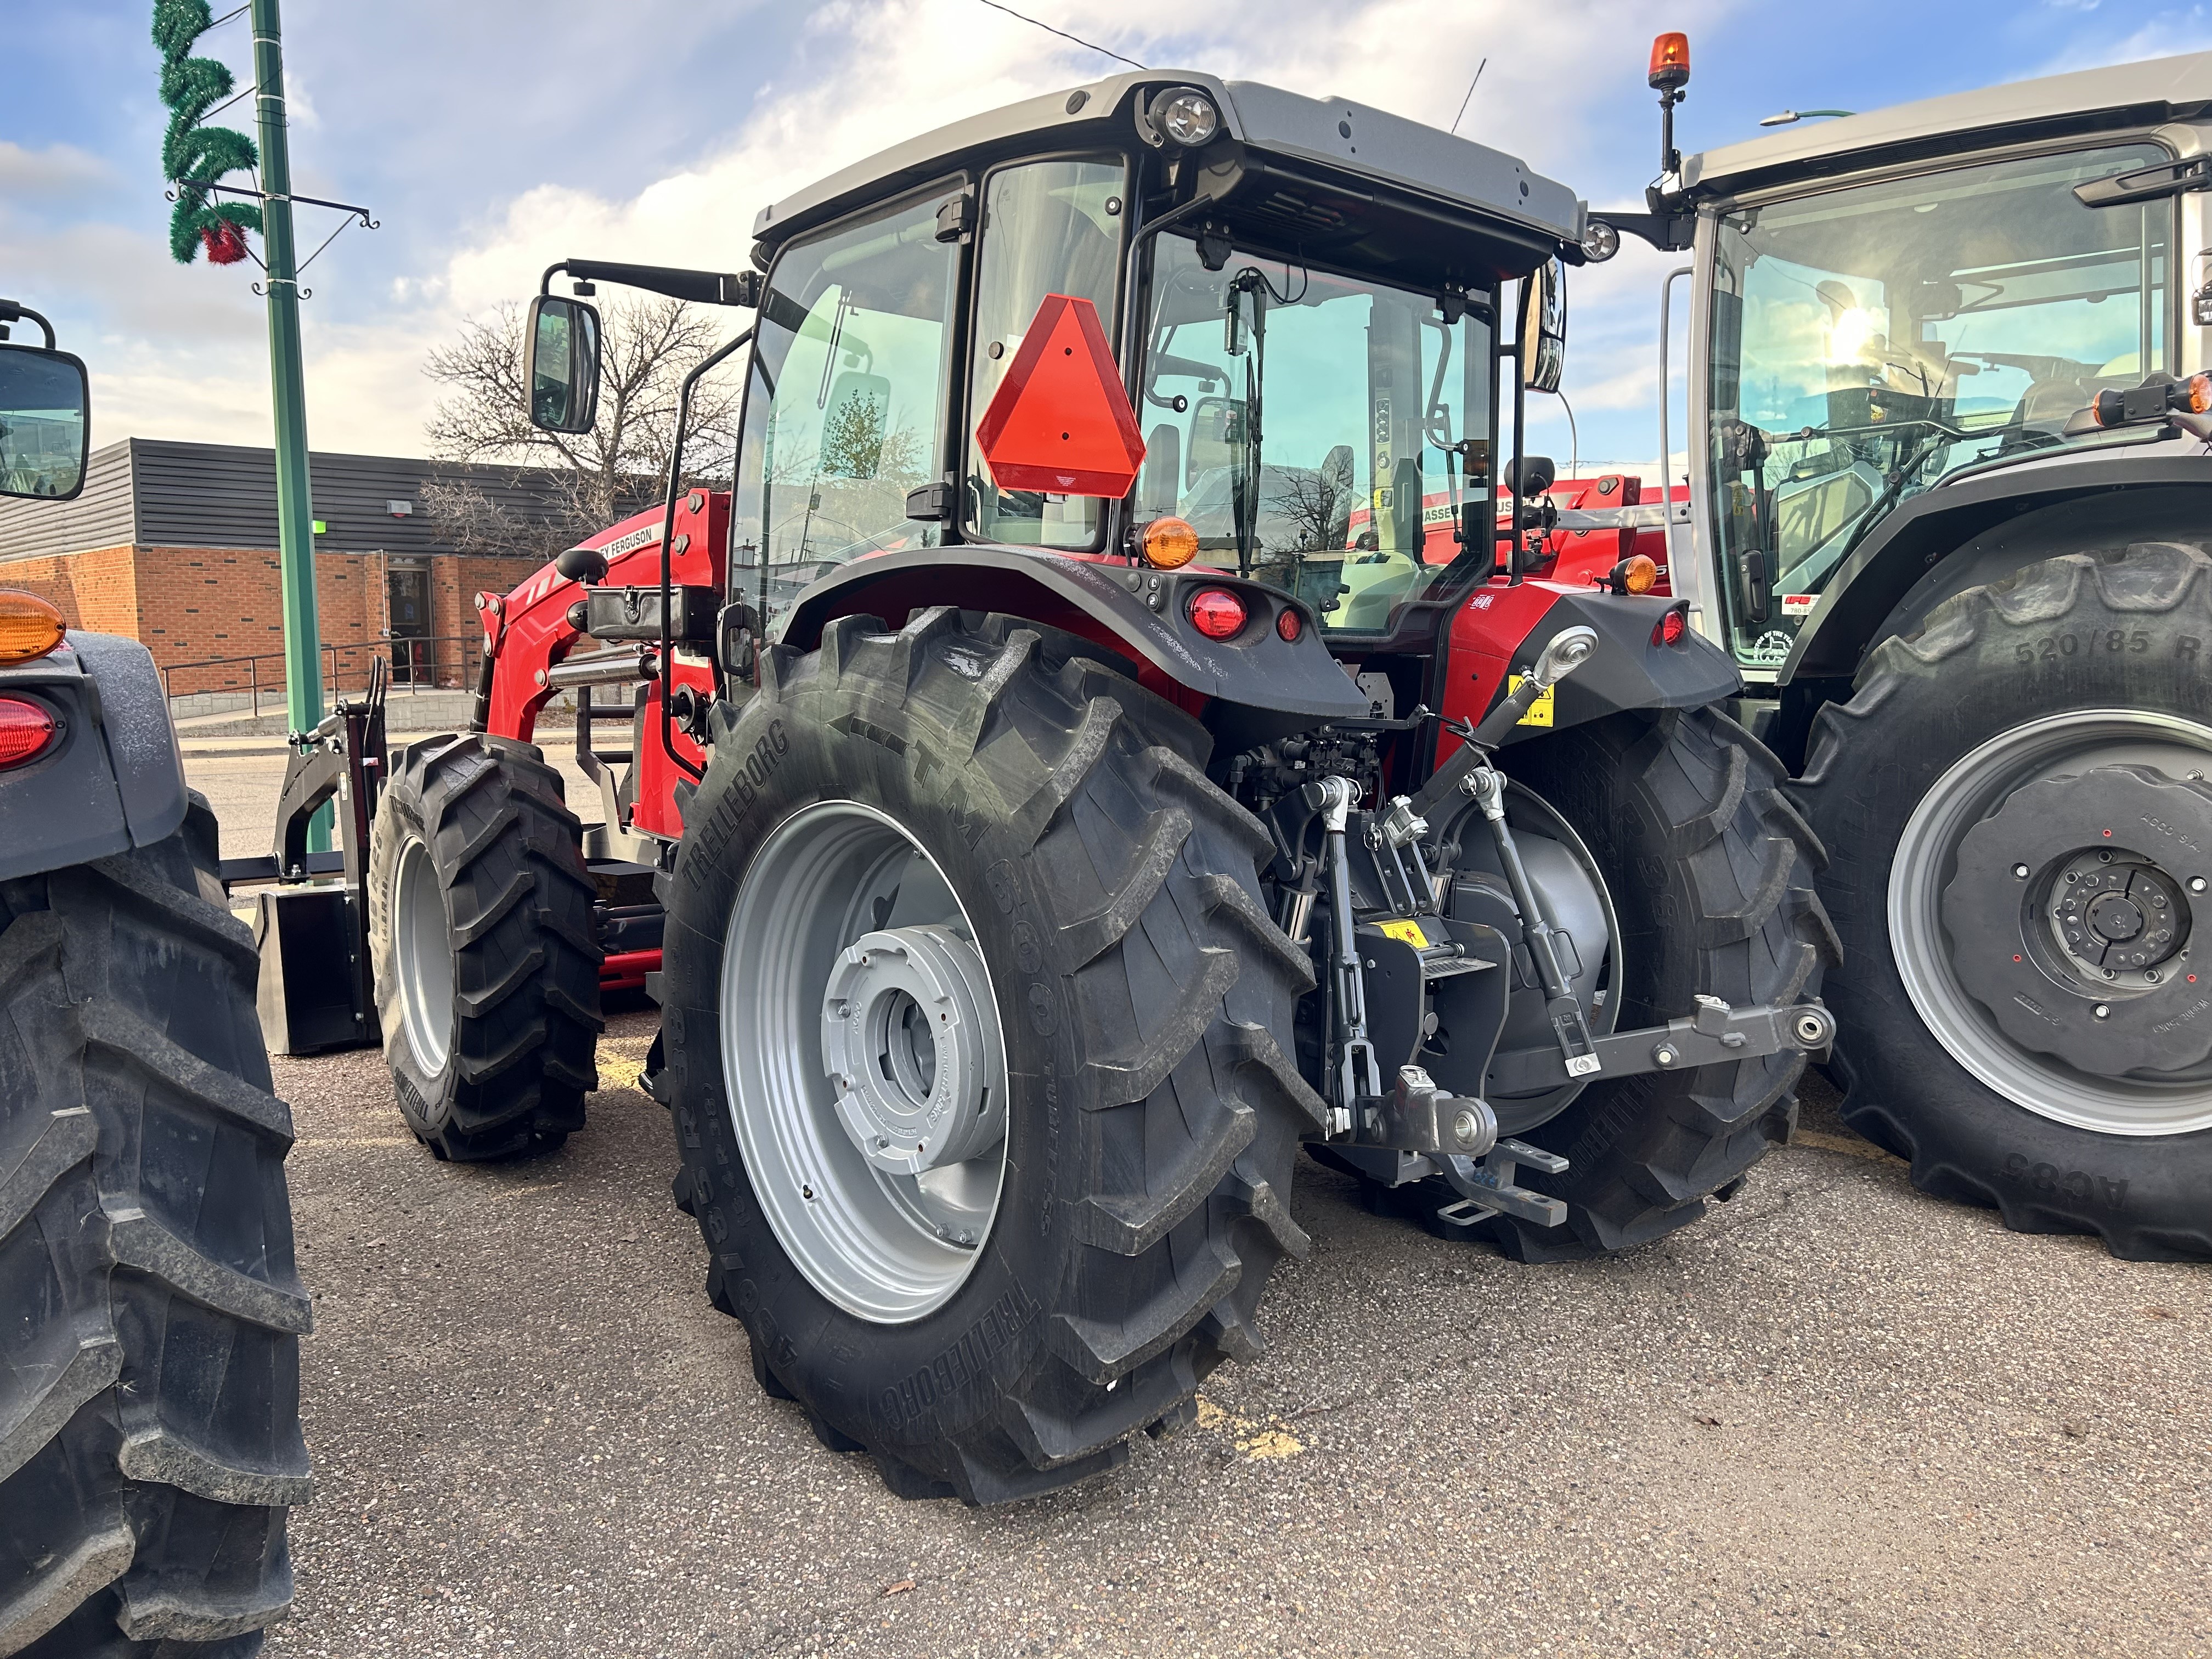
1073,774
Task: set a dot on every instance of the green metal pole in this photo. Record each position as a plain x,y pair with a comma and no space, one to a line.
295,512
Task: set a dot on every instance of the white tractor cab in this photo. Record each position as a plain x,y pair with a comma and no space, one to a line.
1949,493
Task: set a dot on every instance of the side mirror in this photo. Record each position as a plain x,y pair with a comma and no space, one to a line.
1529,476
43,399
1542,341
561,364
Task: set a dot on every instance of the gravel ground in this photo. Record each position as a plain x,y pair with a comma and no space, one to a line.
1835,1418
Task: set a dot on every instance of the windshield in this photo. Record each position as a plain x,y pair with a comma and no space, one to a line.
1868,342
1318,431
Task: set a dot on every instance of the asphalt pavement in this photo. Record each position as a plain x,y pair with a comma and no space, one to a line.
1836,1417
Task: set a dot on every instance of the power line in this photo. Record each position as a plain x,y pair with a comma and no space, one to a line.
1065,35
1469,99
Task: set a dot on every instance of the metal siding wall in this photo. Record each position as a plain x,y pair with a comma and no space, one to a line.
205,495
100,517
193,495
157,492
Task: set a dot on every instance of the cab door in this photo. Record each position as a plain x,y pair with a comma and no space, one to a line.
1048,227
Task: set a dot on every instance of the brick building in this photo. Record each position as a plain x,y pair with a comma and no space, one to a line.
175,544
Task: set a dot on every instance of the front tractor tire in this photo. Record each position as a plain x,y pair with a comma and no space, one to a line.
988,1255
2016,803
487,963
149,1373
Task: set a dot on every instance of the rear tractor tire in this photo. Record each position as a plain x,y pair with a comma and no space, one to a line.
149,1384
481,931
2017,801
974,1022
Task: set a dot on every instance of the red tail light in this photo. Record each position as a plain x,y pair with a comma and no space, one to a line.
1671,627
1217,613
26,730
1288,627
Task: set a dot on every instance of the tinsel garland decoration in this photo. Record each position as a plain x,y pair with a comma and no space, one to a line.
193,156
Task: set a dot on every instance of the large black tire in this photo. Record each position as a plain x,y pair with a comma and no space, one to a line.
1145,1000
523,1022
150,1424
1710,871
1921,702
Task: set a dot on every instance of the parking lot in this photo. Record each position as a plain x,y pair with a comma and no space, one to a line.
1836,1417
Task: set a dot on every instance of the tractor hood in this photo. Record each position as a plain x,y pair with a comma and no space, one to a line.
1361,151
2130,96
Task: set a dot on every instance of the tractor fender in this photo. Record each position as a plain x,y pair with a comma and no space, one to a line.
114,779
1500,631
1958,536
1279,685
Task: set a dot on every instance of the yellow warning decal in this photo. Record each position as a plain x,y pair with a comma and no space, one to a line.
1405,932
1539,711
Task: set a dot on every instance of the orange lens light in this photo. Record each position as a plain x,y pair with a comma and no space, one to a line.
1639,574
29,627
1217,613
1167,544
26,729
2196,394
1670,61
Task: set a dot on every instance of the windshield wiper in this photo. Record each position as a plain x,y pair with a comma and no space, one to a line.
1898,480
1244,498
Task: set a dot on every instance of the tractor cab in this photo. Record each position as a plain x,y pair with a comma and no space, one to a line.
1297,302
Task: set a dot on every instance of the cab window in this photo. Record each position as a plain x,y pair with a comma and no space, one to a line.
1322,433
846,398
1870,341
1048,227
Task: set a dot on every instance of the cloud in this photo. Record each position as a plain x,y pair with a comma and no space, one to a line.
2168,34
57,173
857,77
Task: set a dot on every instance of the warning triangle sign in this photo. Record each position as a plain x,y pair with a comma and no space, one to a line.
1060,422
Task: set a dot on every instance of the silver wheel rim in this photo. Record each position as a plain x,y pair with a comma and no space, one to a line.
1974,787
878,1154
422,955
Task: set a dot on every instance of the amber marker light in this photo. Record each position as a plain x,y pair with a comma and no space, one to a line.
29,627
1670,61
1167,544
1637,574
2194,394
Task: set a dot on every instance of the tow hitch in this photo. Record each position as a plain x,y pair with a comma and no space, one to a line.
1410,949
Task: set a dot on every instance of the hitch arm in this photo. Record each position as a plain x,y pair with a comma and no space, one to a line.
1714,1034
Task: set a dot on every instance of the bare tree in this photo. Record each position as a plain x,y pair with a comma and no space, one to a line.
1316,503
589,479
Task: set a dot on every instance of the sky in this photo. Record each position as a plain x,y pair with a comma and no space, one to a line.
490,138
